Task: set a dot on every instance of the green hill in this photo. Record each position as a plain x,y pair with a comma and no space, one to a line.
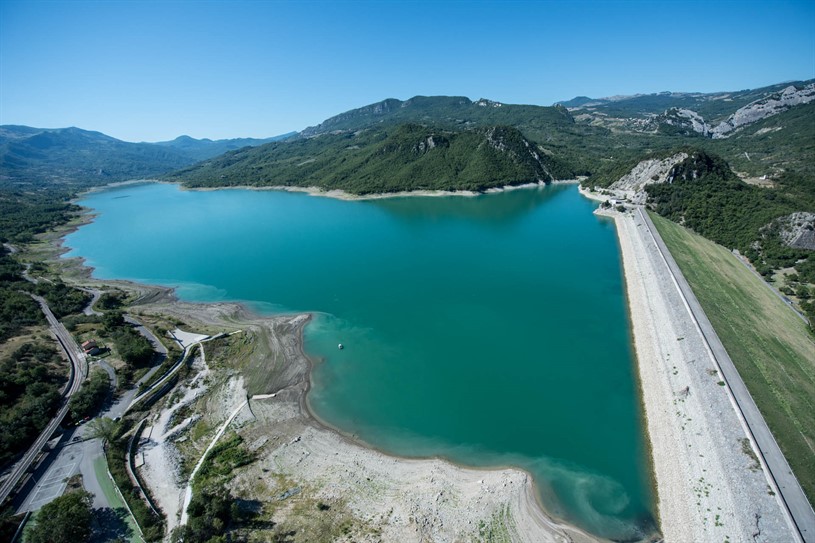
552,127
450,112
71,156
397,158
783,142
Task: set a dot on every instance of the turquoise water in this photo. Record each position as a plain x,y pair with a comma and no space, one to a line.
490,330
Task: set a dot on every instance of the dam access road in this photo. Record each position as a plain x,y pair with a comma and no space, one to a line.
711,486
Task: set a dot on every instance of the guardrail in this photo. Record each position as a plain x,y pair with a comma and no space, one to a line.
156,388
21,527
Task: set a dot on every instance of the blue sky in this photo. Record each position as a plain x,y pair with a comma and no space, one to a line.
153,70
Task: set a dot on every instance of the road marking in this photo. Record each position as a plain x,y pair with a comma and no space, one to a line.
52,485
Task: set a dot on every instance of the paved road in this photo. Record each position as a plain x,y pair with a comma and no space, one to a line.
65,464
80,457
78,374
85,458
27,265
157,344
110,371
161,382
96,294
792,496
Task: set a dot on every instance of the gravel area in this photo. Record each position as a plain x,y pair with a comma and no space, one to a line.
160,470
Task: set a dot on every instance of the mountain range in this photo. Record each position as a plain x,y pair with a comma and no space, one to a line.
202,149
447,142
715,107
72,156
761,133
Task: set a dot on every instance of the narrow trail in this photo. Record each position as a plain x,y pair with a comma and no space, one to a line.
188,491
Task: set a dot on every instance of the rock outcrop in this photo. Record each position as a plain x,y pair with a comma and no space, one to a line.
683,121
796,230
632,185
765,107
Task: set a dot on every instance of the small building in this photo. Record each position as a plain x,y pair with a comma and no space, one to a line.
90,347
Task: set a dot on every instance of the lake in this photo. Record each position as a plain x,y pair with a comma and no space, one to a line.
489,330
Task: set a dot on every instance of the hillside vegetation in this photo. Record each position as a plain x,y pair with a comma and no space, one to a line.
30,380
403,157
71,156
704,195
771,146
75,158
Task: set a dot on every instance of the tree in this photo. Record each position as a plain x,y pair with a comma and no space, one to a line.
90,396
112,320
103,427
67,519
211,511
110,300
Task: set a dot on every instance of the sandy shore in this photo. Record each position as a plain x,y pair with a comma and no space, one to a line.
384,498
710,486
341,194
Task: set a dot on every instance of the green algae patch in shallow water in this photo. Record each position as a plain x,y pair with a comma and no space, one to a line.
490,330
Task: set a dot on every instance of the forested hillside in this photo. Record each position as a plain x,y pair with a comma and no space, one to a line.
34,157
75,158
704,194
402,157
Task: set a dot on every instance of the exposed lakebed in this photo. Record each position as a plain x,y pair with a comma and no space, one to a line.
490,330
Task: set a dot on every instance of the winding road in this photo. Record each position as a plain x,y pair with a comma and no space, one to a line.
77,376
86,455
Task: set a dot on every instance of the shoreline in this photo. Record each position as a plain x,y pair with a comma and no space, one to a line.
531,489
339,194
532,521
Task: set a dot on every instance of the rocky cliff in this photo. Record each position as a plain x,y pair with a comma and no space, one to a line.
766,107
